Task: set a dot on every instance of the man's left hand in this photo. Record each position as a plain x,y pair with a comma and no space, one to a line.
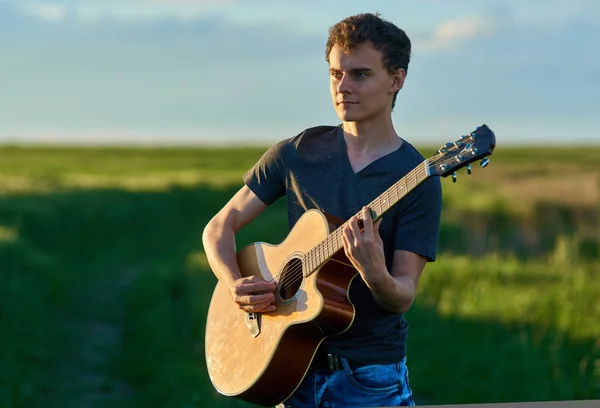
365,248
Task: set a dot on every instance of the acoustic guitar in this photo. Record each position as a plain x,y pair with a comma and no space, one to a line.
263,357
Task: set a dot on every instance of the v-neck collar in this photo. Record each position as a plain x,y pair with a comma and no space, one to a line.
348,164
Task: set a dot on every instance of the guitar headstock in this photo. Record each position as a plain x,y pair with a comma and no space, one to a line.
474,146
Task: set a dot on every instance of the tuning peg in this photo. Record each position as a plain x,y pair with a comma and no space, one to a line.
454,177
485,162
469,168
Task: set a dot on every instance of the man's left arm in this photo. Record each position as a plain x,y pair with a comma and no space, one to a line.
415,244
395,291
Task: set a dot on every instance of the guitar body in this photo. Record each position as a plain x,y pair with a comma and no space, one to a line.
262,358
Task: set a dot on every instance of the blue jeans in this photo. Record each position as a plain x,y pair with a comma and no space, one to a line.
365,386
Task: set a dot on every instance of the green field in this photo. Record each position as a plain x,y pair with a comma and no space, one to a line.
105,285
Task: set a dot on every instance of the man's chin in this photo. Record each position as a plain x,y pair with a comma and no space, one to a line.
348,116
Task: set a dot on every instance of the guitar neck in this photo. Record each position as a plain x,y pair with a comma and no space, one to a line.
325,249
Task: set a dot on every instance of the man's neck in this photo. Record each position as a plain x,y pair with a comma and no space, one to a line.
371,138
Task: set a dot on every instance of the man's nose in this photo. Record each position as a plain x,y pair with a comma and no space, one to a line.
345,85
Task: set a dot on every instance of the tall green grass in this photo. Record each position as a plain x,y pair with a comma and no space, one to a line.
112,237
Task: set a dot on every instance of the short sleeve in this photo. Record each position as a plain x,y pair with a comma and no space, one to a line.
418,223
267,177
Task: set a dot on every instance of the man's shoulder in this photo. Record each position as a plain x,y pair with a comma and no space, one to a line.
413,157
413,153
315,134
320,129
306,143
308,140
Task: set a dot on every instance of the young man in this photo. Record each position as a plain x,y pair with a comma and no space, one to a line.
338,170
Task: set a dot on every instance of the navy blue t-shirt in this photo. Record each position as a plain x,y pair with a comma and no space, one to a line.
313,171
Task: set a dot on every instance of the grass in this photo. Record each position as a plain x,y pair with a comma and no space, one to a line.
513,330
112,237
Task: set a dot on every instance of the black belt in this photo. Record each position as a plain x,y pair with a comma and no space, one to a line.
331,362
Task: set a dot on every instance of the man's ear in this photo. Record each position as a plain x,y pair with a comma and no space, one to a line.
398,79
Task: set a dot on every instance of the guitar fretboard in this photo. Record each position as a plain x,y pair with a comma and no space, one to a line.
325,249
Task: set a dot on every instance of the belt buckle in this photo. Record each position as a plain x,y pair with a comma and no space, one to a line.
333,362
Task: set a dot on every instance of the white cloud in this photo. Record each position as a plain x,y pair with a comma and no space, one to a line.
219,2
45,11
196,2
451,32
151,10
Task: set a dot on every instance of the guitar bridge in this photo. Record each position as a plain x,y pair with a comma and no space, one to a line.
253,323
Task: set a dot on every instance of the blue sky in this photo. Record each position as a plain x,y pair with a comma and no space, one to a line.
250,71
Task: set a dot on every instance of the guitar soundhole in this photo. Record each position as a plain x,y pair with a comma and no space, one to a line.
290,279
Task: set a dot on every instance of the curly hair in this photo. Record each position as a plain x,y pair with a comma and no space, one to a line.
386,37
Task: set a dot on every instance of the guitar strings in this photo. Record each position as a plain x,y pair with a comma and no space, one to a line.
295,274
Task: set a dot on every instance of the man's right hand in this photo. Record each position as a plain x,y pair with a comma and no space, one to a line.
254,294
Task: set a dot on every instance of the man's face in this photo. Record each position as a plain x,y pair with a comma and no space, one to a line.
361,87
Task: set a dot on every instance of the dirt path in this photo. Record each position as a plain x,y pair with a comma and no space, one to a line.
94,330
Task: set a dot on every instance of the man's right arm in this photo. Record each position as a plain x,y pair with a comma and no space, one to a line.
218,239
